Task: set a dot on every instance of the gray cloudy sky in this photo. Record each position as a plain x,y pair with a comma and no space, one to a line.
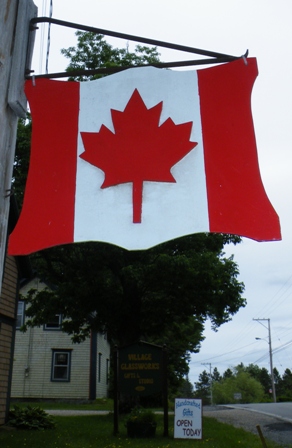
227,26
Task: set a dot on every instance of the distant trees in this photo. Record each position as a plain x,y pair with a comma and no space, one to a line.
252,382
241,383
186,389
284,386
203,387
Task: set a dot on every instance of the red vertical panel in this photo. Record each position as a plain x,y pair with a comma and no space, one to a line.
47,217
237,200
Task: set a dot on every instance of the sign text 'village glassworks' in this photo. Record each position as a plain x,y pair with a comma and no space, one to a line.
187,418
120,158
140,369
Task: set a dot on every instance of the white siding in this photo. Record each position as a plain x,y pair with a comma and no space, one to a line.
33,363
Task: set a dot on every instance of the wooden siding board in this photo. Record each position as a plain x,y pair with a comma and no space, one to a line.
6,339
33,349
9,288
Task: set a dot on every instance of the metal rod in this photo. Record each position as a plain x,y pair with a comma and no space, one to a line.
111,70
215,56
116,392
154,42
165,390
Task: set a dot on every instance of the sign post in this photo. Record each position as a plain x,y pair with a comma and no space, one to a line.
188,418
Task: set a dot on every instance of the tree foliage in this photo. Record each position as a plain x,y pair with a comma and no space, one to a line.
238,379
92,52
284,385
21,161
163,295
242,382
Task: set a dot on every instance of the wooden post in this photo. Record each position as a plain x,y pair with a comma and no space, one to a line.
15,57
261,436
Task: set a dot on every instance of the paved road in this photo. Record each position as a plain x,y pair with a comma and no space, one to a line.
249,417
279,410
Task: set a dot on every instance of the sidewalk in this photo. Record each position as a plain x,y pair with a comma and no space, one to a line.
68,413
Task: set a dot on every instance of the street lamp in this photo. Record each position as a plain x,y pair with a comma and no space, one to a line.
271,357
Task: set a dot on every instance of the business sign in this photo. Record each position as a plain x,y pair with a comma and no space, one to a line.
140,369
188,418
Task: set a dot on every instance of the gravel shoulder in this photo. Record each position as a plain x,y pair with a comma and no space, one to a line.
275,429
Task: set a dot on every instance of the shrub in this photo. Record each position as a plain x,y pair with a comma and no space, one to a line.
140,415
30,418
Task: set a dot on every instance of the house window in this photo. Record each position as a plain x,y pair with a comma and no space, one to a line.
20,314
54,323
61,364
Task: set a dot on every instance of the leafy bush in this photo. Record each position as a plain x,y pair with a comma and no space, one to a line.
140,415
30,418
251,390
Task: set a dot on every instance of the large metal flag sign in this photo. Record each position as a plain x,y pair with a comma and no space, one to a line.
144,156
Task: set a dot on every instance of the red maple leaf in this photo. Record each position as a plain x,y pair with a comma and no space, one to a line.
139,150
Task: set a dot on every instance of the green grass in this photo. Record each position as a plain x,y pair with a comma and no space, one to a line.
100,404
97,432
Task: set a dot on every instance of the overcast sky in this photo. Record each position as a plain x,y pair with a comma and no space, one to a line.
228,26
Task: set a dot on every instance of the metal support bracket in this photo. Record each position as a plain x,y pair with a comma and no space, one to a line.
215,58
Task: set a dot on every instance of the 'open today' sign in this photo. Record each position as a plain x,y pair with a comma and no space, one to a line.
188,418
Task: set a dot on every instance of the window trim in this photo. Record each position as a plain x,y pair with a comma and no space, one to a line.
107,370
57,328
22,314
99,367
61,351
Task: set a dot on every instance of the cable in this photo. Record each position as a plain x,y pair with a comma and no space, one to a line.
42,35
49,37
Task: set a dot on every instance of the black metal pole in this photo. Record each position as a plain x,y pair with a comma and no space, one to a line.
165,390
215,57
116,392
145,40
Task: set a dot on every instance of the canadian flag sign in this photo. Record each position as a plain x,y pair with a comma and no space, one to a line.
143,156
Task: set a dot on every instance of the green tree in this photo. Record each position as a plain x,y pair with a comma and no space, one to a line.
277,377
216,375
186,389
203,387
284,389
242,382
228,373
262,375
92,52
21,161
162,295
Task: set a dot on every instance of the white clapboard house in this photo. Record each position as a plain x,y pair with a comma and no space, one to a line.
47,365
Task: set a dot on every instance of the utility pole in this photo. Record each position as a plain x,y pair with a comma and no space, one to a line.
271,356
15,58
211,382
